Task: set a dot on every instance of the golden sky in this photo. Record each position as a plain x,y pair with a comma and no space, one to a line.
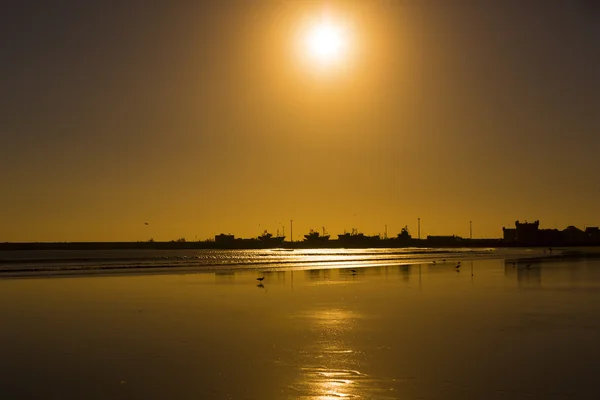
214,118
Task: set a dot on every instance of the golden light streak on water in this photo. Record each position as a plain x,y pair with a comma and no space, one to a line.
333,372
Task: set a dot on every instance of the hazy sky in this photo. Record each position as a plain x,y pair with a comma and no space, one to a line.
207,118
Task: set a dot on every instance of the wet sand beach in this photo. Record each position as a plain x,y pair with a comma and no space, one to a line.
491,330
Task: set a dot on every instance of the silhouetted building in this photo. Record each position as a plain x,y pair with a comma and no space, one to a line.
527,232
573,235
224,239
549,236
449,240
509,234
592,234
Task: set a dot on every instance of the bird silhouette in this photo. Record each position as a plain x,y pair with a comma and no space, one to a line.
260,279
457,266
146,223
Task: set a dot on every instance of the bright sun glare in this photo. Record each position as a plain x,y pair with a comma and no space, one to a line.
326,42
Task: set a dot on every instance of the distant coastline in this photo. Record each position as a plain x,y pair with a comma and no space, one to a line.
525,234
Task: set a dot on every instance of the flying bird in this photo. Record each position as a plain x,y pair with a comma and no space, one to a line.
457,266
146,223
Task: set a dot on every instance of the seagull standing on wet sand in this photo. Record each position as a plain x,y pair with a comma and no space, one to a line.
260,279
457,266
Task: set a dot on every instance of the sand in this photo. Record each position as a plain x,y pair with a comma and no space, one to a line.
412,332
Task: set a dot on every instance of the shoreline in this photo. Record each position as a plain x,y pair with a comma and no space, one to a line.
252,244
62,267
559,256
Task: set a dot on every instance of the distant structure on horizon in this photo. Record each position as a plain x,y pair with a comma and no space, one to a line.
315,237
523,234
530,234
224,239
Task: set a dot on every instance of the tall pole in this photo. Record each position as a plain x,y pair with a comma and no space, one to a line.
291,230
470,229
419,228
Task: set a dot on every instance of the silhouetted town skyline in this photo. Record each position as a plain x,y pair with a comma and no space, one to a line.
522,234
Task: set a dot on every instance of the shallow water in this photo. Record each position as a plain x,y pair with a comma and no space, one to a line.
421,331
72,262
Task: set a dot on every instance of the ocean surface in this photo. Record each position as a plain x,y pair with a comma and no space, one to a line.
48,262
519,324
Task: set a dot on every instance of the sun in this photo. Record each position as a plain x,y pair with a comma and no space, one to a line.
326,42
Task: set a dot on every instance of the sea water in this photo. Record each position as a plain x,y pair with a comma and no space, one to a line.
31,262
504,325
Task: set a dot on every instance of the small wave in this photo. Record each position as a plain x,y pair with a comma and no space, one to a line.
81,262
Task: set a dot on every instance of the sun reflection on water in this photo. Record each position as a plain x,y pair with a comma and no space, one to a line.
337,375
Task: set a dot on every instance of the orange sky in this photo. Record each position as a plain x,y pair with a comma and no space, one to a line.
206,119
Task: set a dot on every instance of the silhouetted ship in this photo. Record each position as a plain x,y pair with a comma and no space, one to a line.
269,240
358,239
314,236
354,236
